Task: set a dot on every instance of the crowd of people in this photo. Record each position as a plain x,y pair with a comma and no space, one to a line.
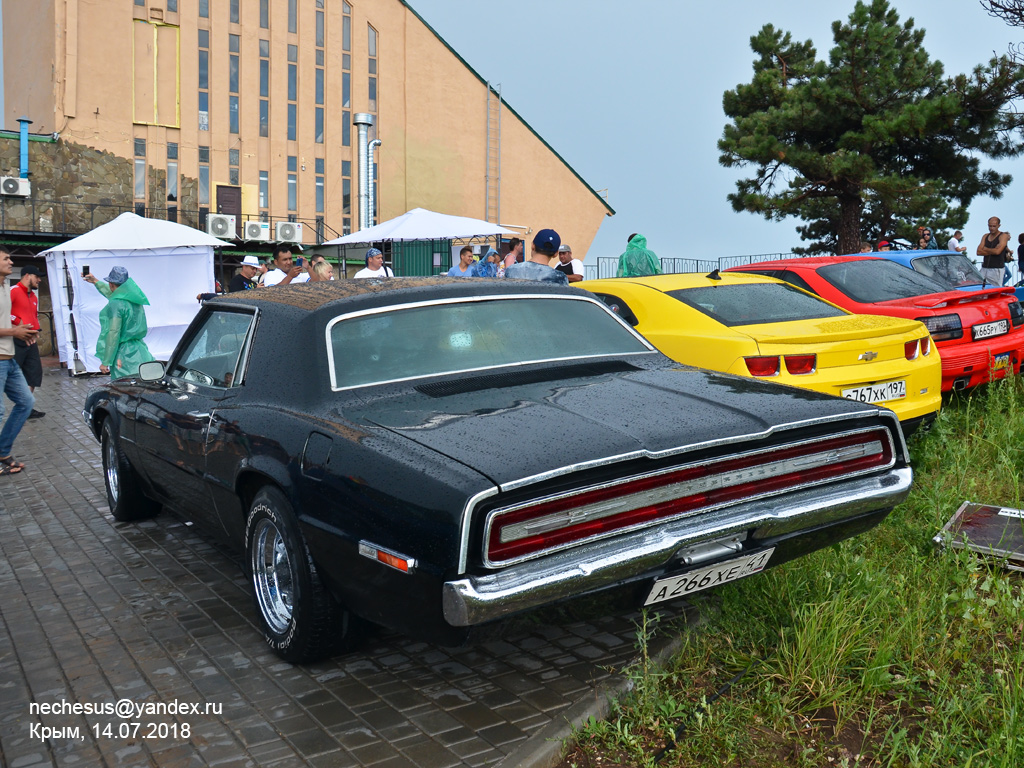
996,256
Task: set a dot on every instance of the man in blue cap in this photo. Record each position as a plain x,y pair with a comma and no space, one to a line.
120,346
537,267
374,266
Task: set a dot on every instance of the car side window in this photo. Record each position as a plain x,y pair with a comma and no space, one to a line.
619,307
794,279
212,355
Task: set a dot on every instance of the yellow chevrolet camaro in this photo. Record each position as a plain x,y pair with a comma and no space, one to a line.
762,327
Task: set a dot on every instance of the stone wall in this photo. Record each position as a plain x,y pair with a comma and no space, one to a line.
76,188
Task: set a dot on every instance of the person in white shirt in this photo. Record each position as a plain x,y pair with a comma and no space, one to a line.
287,271
374,266
954,243
572,268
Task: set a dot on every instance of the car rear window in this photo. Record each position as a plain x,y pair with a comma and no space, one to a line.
872,280
755,303
953,269
450,337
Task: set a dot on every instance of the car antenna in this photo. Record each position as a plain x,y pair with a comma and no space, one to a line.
714,276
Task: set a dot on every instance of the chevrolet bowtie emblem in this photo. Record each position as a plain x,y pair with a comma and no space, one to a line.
868,356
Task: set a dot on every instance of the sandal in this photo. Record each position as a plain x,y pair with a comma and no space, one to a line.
10,463
7,469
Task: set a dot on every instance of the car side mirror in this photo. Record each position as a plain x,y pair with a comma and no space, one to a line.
152,371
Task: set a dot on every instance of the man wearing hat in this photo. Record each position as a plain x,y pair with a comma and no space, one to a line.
12,380
545,246
25,311
245,280
573,268
374,266
121,347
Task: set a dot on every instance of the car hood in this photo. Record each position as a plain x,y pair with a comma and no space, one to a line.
524,430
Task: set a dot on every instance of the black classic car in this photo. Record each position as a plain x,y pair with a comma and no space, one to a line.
436,454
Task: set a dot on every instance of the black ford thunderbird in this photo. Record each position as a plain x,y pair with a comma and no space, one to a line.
434,454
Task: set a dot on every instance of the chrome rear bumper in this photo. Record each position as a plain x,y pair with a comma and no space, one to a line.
474,600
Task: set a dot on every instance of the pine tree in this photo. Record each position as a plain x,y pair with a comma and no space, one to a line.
876,135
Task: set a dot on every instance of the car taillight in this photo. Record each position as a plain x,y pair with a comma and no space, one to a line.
1016,313
519,532
943,327
926,346
762,366
799,365
912,349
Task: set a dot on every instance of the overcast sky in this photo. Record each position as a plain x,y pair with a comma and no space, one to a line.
630,94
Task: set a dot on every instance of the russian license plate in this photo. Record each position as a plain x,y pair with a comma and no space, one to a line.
988,330
878,393
694,581
1001,362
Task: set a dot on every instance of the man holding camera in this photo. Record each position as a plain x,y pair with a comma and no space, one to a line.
12,380
287,271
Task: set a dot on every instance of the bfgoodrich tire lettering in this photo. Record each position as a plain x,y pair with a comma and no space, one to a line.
124,496
300,619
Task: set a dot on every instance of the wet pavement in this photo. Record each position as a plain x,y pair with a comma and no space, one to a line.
157,619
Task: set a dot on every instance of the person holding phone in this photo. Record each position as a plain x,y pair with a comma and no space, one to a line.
287,270
121,345
12,380
25,310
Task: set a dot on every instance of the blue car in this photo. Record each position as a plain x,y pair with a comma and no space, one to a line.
949,267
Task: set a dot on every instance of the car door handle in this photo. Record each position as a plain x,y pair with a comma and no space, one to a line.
199,414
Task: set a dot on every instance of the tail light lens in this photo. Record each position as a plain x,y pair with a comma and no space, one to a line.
912,349
1016,313
926,346
762,366
943,327
800,365
517,533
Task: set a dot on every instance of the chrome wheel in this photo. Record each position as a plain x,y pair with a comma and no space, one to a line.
113,477
273,576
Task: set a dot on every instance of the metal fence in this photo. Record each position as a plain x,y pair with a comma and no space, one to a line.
607,266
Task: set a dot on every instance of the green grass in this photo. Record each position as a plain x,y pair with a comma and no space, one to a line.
879,651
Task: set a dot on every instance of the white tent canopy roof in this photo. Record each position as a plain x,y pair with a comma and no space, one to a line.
132,232
421,224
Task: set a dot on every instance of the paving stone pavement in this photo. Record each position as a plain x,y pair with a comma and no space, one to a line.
93,612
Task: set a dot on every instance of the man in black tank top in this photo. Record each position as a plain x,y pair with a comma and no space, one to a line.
993,252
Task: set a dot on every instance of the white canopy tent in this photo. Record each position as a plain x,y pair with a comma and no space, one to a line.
421,224
171,263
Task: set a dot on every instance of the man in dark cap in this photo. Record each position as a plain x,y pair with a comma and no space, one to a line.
538,266
121,347
25,311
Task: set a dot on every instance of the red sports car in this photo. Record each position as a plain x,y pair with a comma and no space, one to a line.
979,334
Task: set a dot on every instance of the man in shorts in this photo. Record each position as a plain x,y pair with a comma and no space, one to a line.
25,311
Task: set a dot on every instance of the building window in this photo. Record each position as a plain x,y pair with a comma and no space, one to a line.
292,119
204,111
233,11
141,2
140,169
293,82
264,189
319,86
346,90
319,194
264,87
293,192
293,15
346,129
204,185
204,79
233,73
320,29
232,114
233,167
204,9
172,171
172,6
346,27
293,163
346,196
372,50
264,14
204,154
319,127
265,78
264,117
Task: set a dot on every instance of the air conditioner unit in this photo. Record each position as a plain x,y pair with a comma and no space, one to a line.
257,230
288,232
220,225
15,186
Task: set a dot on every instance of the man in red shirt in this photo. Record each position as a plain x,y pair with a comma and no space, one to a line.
25,311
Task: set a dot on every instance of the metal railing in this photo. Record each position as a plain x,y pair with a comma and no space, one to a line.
39,217
607,266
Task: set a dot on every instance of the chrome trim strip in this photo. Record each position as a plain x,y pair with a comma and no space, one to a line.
488,562
468,300
474,600
466,522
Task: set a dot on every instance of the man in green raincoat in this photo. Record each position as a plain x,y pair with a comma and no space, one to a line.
120,347
637,261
